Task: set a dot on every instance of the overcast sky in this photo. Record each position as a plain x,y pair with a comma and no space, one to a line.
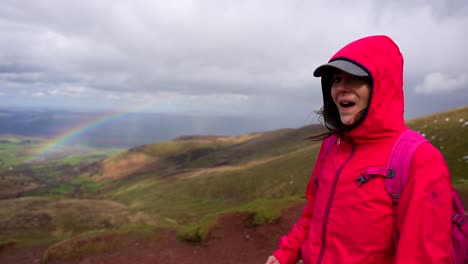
239,57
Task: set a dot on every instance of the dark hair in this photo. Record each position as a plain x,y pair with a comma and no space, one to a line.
329,115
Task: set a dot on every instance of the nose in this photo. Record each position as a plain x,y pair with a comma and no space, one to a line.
340,86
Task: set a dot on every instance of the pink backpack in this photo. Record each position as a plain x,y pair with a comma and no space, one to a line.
396,177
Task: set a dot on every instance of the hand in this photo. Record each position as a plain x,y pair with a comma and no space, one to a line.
272,260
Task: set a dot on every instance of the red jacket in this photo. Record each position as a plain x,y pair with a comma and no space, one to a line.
344,223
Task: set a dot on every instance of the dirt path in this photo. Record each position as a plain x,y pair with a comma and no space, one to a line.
232,240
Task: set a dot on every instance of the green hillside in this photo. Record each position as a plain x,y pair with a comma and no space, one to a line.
448,131
206,178
188,182
198,178
270,166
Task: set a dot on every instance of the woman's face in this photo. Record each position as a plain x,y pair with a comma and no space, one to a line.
350,94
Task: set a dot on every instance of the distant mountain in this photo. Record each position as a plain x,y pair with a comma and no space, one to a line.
446,130
197,153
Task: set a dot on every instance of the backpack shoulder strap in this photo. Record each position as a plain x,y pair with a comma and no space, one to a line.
399,165
328,144
399,162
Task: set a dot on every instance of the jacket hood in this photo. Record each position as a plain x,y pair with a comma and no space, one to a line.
382,59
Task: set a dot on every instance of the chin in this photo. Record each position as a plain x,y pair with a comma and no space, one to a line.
347,121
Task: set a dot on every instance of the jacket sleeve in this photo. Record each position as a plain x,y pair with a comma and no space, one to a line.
290,244
424,212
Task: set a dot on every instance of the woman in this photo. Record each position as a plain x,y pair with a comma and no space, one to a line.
344,221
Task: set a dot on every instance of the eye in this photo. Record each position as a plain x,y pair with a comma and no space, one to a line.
336,79
358,79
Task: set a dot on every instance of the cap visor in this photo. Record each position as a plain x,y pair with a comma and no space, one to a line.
342,65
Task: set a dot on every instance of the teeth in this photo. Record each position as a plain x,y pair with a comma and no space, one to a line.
347,104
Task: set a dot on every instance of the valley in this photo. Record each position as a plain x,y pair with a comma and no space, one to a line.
76,206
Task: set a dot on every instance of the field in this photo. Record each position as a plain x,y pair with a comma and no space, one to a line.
187,185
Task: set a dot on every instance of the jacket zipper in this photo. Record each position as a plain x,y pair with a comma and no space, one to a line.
325,219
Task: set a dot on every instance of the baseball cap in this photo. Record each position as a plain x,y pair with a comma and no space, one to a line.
344,65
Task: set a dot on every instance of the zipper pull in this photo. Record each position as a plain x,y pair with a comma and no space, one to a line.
338,142
362,180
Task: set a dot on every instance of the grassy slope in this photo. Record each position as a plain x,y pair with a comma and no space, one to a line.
32,220
186,198
257,172
284,161
145,199
188,153
448,131
189,181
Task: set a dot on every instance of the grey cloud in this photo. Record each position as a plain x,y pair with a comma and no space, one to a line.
437,82
233,51
21,78
257,49
440,9
17,68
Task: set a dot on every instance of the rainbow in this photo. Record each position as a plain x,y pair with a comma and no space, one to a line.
78,130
